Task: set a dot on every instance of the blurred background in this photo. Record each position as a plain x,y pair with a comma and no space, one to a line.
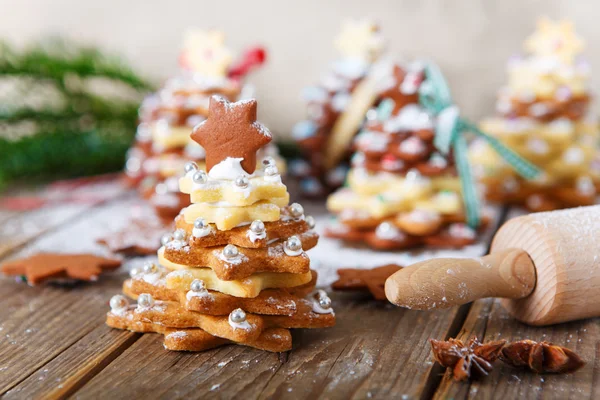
470,39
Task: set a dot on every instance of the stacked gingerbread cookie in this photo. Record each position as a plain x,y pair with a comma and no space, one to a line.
335,110
401,192
544,116
235,270
163,144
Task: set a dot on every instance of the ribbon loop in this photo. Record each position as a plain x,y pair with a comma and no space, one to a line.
434,96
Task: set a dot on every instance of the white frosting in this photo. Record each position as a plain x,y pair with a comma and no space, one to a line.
201,232
573,156
239,325
411,118
273,178
316,307
202,293
292,253
461,231
228,169
254,236
388,231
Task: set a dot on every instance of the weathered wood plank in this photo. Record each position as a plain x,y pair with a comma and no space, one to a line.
64,374
20,228
51,318
488,320
506,382
365,354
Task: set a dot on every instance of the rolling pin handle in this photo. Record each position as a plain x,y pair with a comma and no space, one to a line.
447,282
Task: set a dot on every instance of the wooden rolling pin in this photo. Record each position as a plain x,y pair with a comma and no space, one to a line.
545,265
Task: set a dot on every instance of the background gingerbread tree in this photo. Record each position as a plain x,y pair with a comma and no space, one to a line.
163,145
401,191
544,115
335,110
235,270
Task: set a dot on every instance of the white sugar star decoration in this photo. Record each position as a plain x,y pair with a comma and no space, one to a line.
555,39
360,39
204,53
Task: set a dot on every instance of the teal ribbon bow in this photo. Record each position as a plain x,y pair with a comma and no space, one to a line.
434,96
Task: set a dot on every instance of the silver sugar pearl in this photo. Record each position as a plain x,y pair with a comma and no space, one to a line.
190,166
271,170
310,220
268,161
257,226
145,300
230,251
296,210
237,316
150,268
294,243
242,181
135,271
179,234
200,223
200,177
325,302
197,285
166,238
118,302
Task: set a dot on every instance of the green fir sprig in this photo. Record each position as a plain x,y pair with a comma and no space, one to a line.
65,110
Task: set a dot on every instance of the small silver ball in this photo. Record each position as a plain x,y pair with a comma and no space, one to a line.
271,170
200,177
296,210
257,226
200,223
294,243
310,220
190,166
135,271
325,302
166,238
242,181
150,268
145,300
238,316
268,161
197,285
230,251
179,234
118,302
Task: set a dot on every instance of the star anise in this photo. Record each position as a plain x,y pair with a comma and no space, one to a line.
542,357
472,360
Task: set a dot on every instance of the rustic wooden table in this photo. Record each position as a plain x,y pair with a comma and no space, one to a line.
54,343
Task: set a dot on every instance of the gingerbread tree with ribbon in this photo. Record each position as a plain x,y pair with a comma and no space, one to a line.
163,144
235,270
410,182
336,109
544,116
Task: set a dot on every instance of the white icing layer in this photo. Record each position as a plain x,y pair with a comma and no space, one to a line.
228,169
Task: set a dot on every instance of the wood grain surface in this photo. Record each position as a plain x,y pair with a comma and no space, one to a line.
54,343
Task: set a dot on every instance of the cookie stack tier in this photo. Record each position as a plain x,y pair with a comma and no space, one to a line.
544,115
335,109
235,270
401,192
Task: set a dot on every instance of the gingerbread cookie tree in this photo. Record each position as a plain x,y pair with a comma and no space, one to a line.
235,269
336,109
401,191
163,144
544,116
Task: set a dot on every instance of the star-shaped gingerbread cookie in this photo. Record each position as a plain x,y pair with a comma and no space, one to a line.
372,280
42,267
231,131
